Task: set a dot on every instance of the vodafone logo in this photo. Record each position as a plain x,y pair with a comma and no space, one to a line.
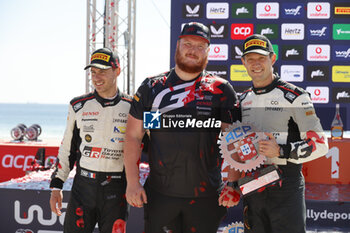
318,10
319,95
317,92
267,10
218,52
318,52
241,31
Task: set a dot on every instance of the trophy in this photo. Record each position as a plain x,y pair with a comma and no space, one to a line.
239,148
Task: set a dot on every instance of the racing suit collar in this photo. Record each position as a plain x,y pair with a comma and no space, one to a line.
107,102
268,88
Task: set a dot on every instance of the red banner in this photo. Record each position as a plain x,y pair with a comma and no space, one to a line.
333,168
16,158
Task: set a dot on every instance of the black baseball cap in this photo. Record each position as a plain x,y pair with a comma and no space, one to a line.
104,59
196,29
257,44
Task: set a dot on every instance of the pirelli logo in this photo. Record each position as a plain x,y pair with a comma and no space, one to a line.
255,42
342,10
100,56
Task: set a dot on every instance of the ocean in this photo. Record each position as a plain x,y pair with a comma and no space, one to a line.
51,118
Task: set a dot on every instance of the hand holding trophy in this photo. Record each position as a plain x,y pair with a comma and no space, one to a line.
240,149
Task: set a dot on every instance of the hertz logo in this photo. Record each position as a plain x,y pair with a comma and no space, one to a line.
100,56
255,42
342,10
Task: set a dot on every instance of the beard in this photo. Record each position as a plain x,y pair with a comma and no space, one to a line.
195,68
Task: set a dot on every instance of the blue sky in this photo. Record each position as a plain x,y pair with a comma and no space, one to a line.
42,47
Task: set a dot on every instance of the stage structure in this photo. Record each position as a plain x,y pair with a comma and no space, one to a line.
112,23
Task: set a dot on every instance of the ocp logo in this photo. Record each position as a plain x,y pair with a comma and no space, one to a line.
151,120
240,31
341,31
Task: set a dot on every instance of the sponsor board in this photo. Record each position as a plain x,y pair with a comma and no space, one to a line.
341,95
341,10
292,73
239,73
267,10
271,31
16,160
293,10
341,53
218,52
318,10
317,73
341,74
240,31
316,52
30,210
292,52
217,10
218,70
192,10
319,95
341,31
322,28
242,10
292,31
318,31
218,31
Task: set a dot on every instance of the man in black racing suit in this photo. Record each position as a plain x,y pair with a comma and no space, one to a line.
94,141
285,113
184,109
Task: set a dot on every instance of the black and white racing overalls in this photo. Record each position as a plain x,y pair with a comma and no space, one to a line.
287,112
93,140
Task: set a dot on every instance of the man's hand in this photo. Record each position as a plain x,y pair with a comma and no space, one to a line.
56,201
229,197
136,195
269,147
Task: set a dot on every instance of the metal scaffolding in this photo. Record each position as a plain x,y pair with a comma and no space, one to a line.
112,24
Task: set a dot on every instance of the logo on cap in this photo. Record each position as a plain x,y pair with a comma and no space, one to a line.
100,56
255,42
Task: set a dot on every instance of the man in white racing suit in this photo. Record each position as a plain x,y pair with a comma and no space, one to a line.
94,141
285,113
